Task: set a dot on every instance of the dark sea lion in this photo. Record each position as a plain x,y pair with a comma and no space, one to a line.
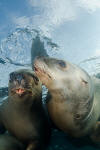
8,142
22,113
73,101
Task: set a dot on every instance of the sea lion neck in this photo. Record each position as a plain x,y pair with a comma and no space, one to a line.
56,95
21,102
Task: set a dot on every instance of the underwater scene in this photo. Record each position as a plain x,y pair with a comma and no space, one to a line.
65,30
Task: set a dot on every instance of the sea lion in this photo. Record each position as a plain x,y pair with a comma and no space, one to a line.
22,113
9,142
73,100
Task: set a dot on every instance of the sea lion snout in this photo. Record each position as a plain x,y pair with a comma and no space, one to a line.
38,64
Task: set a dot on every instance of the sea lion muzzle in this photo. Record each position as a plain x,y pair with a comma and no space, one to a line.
18,84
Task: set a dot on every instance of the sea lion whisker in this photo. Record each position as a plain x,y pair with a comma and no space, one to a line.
29,90
44,72
39,69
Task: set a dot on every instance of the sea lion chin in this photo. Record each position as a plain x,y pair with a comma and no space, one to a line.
22,113
73,97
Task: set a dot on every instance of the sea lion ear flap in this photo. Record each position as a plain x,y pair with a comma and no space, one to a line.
35,78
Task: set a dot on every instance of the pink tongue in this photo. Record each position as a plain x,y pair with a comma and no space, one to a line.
20,91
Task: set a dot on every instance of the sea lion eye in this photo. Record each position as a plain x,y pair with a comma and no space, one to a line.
62,64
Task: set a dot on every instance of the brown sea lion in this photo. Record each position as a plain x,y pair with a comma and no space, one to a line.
22,113
8,142
73,101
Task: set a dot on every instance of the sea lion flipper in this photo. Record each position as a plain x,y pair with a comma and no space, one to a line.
96,133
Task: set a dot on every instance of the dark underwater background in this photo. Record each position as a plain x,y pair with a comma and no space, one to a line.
15,53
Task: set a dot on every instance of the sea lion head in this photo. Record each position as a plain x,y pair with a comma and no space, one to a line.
23,82
63,73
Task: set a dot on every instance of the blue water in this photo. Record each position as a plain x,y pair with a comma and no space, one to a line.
15,53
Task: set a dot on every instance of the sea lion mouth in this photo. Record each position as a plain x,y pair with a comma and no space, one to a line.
40,71
39,66
35,68
18,91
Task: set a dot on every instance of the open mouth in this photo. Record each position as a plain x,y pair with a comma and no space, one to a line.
20,91
39,66
41,72
36,69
